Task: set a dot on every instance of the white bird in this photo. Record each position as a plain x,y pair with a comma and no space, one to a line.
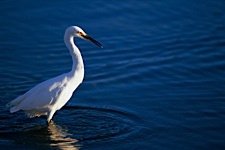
51,95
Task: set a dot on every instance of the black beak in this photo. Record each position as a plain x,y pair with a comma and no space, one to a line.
92,40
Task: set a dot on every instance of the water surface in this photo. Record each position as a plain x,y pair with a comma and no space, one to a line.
157,84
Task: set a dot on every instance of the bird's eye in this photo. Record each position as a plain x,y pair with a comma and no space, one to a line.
81,33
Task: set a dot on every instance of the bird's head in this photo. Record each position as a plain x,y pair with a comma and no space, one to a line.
78,32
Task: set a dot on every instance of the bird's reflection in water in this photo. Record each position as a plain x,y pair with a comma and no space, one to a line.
60,139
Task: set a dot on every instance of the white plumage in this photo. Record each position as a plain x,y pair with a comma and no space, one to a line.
51,95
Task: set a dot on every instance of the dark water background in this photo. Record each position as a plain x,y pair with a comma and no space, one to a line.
159,82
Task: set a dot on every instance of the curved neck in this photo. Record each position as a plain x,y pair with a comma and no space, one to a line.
75,53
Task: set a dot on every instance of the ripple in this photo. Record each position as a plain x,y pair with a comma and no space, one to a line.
91,124
74,125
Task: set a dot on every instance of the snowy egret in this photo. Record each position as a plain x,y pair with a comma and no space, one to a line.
51,95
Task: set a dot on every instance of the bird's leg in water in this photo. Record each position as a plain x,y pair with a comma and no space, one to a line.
50,115
49,122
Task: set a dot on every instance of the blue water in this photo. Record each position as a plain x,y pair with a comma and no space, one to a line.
158,83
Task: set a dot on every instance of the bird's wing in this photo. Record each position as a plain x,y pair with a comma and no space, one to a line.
42,95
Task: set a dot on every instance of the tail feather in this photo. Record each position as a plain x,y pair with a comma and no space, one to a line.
15,101
14,109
